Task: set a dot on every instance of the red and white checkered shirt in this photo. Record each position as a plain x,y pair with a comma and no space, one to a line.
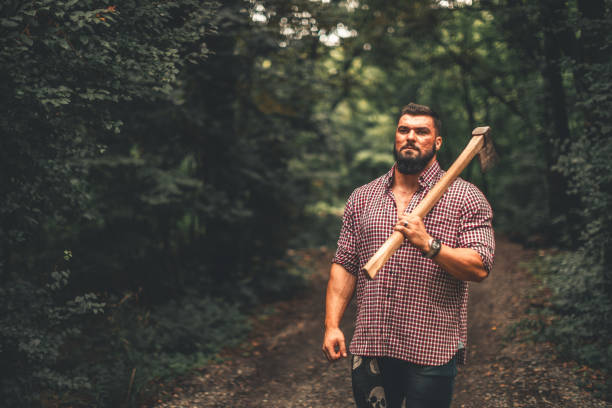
413,310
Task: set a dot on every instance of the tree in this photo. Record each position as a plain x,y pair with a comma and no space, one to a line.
68,69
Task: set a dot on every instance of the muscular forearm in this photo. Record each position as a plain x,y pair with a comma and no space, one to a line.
340,289
463,263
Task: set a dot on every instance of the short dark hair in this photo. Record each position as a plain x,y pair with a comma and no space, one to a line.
415,109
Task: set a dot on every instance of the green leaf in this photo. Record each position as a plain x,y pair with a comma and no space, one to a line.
26,40
8,23
64,44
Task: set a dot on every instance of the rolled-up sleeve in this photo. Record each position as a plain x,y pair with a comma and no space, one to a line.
346,253
476,227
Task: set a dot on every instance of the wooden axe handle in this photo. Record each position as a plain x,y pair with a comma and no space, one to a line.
397,238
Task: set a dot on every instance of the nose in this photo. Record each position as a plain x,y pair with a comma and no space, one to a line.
411,135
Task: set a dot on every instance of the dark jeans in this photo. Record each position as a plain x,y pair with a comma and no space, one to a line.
386,382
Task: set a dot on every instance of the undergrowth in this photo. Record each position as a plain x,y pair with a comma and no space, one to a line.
571,309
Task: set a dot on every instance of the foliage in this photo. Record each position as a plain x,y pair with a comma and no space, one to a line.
582,281
180,149
37,324
66,66
587,165
575,314
69,69
581,301
175,338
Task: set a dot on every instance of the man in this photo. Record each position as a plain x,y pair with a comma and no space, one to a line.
411,327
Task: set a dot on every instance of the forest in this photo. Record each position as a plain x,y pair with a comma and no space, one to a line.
160,161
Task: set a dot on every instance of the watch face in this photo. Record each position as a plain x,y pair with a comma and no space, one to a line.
434,248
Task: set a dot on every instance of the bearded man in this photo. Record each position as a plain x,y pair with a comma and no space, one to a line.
411,328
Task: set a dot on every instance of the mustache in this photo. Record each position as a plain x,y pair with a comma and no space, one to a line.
410,146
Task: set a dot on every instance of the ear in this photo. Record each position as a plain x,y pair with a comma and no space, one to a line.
438,142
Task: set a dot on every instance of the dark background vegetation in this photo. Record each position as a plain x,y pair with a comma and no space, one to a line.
158,160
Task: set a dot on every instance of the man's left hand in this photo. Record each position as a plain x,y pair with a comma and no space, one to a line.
413,229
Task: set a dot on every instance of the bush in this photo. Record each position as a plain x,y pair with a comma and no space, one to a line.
581,303
173,339
576,317
36,326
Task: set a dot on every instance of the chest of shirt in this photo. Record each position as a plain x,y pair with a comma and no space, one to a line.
379,215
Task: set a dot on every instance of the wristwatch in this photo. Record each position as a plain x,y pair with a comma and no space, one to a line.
434,248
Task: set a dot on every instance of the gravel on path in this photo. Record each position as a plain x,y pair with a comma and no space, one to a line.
281,365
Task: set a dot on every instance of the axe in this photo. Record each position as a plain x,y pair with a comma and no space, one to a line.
480,144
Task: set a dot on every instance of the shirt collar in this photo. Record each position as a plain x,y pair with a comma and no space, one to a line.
430,175
426,179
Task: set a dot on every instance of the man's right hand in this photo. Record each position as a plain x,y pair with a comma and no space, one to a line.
333,344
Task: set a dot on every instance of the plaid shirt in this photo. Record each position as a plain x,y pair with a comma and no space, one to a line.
413,310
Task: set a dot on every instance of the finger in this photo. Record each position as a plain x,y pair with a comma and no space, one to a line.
402,222
327,350
343,349
407,220
414,219
403,218
330,353
333,353
324,350
401,229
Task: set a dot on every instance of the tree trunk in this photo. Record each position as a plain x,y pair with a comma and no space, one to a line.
561,204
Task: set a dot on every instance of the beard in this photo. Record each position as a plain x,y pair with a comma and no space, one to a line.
413,164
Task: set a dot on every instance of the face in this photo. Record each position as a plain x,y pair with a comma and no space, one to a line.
416,143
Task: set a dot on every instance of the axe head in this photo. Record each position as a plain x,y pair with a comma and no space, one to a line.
487,155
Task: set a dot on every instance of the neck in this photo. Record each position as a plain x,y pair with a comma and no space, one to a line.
409,182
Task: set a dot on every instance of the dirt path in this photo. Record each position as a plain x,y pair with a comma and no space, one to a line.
282,366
